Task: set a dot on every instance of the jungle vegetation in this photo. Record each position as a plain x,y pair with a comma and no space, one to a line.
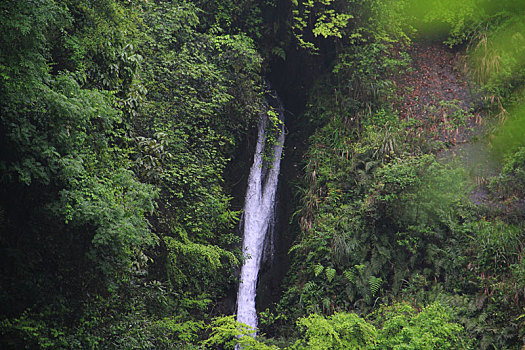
126,132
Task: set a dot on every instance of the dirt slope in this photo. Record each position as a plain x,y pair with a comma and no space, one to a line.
437,95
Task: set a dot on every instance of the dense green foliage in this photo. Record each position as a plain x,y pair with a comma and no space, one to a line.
117,123
383,219
123,125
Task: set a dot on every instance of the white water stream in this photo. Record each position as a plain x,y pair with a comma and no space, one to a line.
258,216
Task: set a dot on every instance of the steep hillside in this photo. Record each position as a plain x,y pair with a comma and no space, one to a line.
129,218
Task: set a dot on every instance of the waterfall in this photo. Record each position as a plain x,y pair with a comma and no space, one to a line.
259,215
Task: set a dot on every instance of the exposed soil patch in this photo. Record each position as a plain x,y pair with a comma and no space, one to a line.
436,97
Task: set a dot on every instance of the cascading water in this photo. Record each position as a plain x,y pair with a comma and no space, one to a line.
259,215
